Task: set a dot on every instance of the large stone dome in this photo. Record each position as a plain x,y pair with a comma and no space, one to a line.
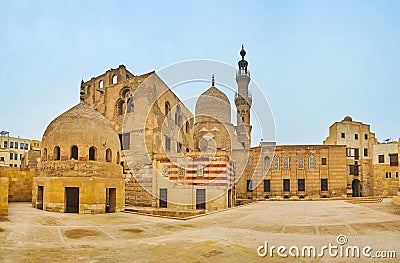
83,128
214,103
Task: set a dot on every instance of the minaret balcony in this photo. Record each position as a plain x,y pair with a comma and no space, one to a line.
239,99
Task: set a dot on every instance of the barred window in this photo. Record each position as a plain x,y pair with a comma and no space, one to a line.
200,170
276,162
301,162
311,163
286,162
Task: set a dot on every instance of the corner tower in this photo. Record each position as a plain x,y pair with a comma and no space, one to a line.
243,102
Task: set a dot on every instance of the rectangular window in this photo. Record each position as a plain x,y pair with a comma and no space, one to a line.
366,136
125,140
15,165
286,185
11,144
16,145
343,135
178,147
26,146
22,145
323,161
354,170
15,156
393,159
11,165
20,157
324,184
381,158
301,185
397,174
249,186
1,159
356,136
267,186
356,154
11,156
365,152
5,144
167,143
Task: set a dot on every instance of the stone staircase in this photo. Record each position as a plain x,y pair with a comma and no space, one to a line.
362,200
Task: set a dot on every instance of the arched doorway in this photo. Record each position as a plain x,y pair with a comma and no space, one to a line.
356,187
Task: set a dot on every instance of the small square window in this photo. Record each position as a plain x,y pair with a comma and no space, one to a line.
356,136
323,161
343,135
381,158
2,159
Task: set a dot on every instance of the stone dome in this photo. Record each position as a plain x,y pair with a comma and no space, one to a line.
214,103
90,134
348,118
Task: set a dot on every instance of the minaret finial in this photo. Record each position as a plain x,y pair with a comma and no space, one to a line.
212,81
82,92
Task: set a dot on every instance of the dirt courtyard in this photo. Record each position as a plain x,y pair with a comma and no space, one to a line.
30,235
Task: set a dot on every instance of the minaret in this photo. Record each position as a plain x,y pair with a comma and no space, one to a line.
243,102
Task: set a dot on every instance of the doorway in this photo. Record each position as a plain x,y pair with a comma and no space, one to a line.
39,202
71,199
229,198
163,198
111,200
201,199
356,187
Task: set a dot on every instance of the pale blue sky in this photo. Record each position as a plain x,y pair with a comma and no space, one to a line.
316,61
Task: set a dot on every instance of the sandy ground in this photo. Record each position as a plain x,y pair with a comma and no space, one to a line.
30,235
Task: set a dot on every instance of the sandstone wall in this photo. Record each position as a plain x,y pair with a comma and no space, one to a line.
19,184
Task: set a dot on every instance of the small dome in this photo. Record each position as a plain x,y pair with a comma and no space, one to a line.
85,128
214,103
348,118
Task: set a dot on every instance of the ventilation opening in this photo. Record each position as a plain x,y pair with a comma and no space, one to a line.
301,197
286,197
324,196
266,197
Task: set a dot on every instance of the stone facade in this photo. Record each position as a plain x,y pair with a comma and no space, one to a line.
294,171
13,149
19,183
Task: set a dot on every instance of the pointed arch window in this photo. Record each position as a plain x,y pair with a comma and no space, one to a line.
114,79
130,105
286,162
267,163
301,162
312,162
276,162
167,107
101,84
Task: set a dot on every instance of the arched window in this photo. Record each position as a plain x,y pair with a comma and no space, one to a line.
108,155
167,107
267,163
74,152
125,93
56,153
118,158
286,162
311,162
44,157
130,105
114,79
120,107
92,153
301,162
101,84
276,162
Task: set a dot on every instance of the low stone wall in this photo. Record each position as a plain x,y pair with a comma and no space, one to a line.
19,183
3,196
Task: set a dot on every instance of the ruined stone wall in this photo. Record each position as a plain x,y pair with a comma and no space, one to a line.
3,196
